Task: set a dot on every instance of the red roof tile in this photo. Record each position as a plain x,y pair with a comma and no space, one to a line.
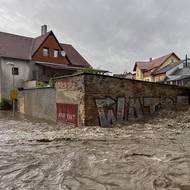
142,65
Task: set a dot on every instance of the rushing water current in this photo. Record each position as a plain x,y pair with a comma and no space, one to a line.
152,155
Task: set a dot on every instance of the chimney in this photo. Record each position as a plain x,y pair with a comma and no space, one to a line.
150,59
43,29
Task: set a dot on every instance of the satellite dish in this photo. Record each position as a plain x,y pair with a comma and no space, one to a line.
63,53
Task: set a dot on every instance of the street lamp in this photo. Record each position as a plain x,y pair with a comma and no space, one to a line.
13,90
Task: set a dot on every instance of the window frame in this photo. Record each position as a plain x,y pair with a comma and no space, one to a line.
44,53
57,51
15,71
63,53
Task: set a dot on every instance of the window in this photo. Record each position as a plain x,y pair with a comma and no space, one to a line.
15,71
63,53
45,52
56,53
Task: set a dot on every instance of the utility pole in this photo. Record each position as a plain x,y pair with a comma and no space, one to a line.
13,91
13,68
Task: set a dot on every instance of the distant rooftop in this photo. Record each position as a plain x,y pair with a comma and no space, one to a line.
153,63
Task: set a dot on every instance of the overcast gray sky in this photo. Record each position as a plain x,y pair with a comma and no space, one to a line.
110,34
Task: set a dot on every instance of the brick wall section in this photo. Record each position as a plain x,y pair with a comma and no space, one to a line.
70,90
100,87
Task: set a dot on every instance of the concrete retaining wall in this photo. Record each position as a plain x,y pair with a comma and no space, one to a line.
39,103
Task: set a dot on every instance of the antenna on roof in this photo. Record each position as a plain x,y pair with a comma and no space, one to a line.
186,60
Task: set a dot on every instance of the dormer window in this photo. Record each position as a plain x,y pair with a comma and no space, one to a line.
56,53
45,52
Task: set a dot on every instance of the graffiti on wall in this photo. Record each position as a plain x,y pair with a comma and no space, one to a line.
123,109
67,113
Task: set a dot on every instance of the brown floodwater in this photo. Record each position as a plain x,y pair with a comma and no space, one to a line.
151,155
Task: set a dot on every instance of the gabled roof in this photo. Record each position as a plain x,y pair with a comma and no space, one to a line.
166,68
143,65
74,57
21,47
15,46
149,65
177,77
38,41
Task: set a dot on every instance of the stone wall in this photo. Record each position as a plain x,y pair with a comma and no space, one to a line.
69,93
110,100
97,100
39,103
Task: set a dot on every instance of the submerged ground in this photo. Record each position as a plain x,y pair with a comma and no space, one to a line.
144,156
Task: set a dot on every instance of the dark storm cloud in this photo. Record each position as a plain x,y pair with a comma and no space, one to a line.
111,34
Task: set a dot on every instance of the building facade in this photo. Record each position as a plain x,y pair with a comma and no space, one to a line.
179,74
25,59
146,70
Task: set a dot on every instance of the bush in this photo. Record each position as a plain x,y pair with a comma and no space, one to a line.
93,71
41,84
5,104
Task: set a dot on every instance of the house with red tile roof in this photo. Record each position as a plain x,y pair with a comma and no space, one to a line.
148,70
35,59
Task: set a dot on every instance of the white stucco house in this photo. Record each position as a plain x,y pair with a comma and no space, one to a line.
35,59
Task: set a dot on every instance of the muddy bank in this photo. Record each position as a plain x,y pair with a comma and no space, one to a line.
153,156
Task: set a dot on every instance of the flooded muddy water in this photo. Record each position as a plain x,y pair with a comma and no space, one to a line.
152,155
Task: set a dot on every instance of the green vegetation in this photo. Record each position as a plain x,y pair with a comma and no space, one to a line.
5,104
43,84
93,71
